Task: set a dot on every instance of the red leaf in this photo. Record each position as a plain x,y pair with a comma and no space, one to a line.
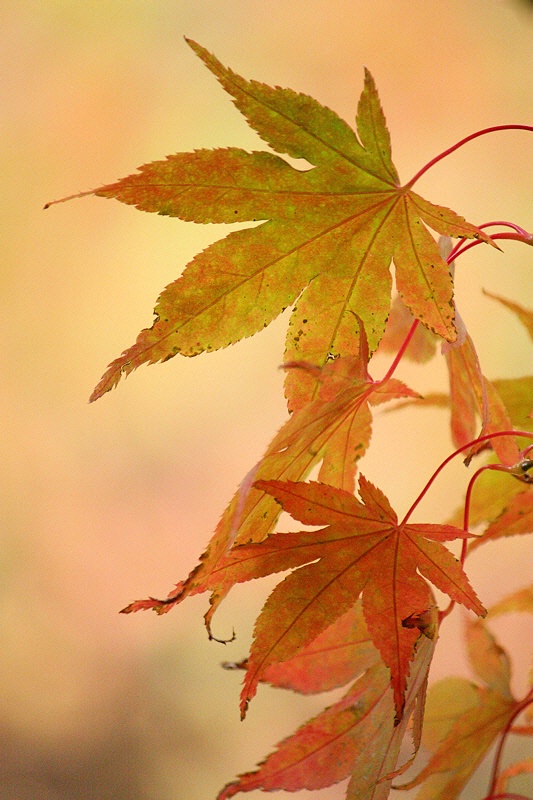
356,736
363,550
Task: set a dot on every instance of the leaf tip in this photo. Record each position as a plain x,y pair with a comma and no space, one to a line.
200,51
369,78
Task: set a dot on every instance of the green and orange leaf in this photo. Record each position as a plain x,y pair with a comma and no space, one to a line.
516,518
330,230
463,719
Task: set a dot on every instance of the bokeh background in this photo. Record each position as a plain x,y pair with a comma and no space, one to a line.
105,503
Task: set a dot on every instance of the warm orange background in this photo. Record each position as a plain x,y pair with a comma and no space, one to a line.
105,503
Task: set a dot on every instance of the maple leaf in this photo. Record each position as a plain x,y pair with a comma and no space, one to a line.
328,231
364,550
334,429
463,718
337,655
423,344
525,315
516,518
471,394
521,600
355,737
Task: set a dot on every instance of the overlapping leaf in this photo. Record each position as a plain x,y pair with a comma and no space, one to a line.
330,231
335,429
516,518
339,654
525,315
463,718
423,344
355,737
362,549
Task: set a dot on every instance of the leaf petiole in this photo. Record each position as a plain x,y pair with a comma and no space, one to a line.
459,144
527,701
486,437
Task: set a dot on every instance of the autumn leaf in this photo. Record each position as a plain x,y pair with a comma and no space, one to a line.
488,659
525,315
339,654
474,725
423,344
364,550
516,518
334,429
463,718
472,395
521,600
328,231
356,737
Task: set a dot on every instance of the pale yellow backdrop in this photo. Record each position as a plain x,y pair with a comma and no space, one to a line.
105,503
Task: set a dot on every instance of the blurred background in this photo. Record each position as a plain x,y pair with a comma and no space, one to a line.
102,504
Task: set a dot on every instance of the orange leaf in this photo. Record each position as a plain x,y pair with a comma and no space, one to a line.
472,732
325,749
489,661
354,737
463,719
516,518
337,655
335,429
362,550
525,315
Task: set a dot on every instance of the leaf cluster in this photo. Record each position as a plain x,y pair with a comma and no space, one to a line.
356,605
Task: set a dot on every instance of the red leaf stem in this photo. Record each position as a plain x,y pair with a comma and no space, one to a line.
459,144
486,437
